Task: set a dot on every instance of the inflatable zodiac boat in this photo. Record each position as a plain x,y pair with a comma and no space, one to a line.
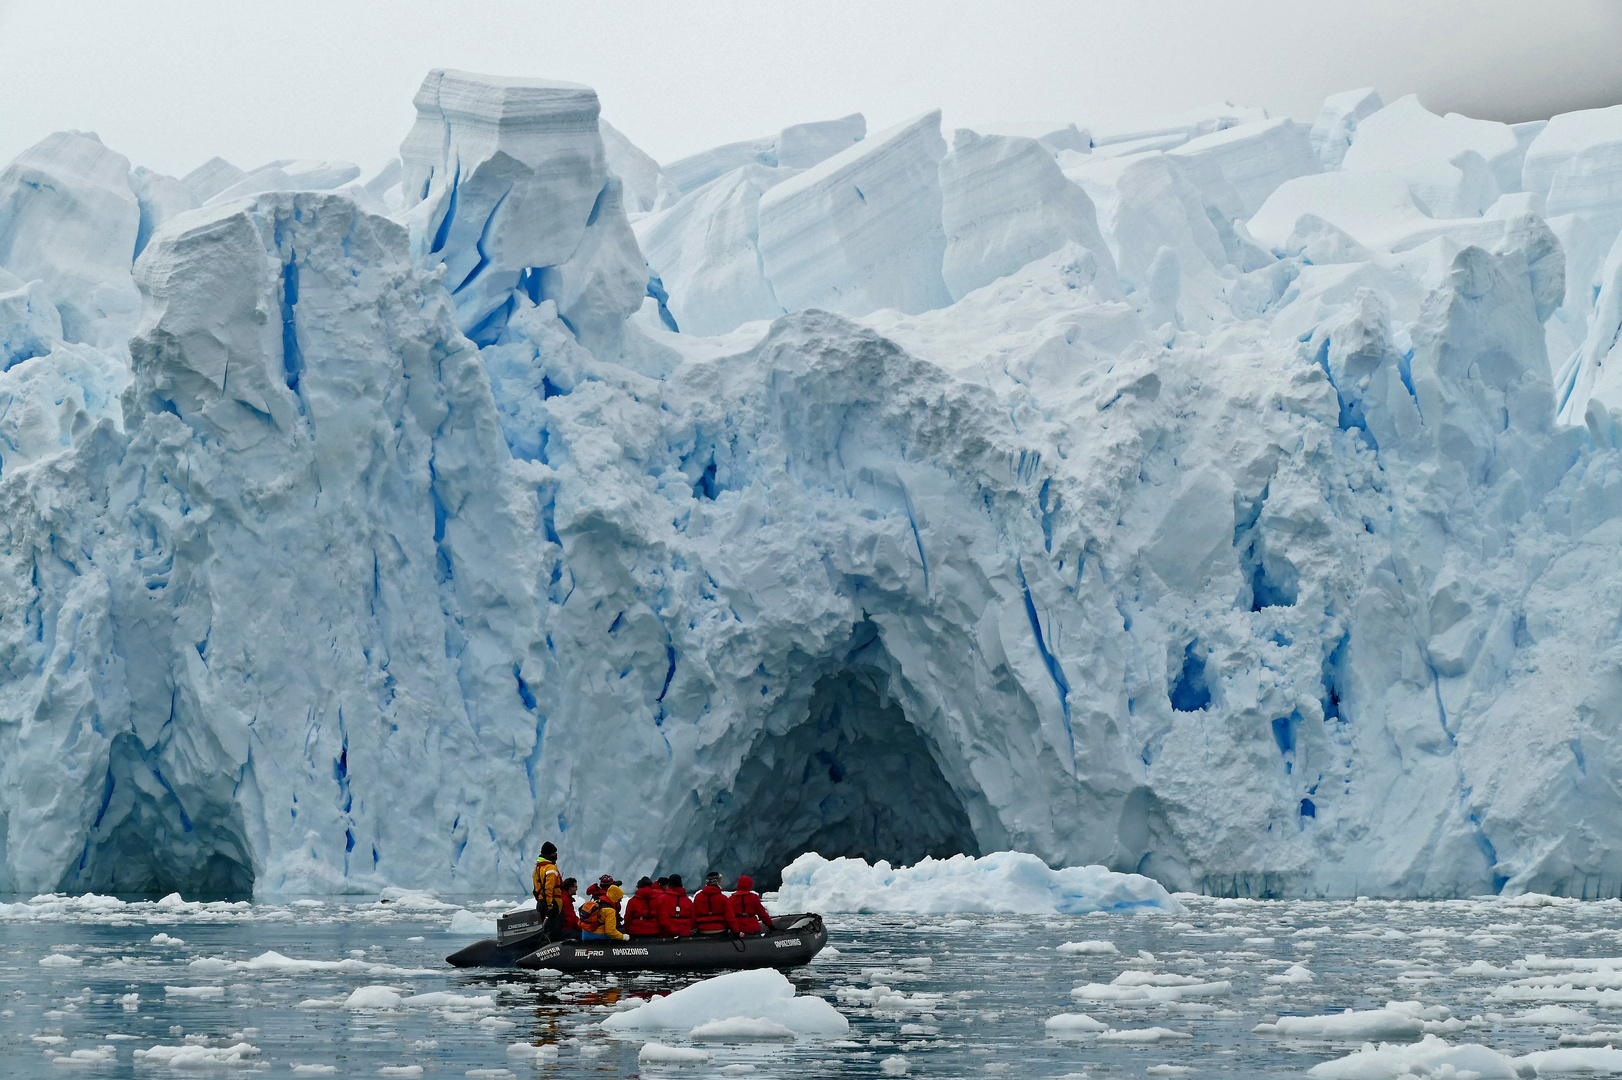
792,941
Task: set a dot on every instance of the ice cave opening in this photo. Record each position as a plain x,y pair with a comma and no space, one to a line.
150,839
855,777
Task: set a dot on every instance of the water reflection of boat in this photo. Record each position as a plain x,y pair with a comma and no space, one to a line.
793,941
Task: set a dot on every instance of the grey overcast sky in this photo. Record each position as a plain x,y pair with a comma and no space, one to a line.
172,82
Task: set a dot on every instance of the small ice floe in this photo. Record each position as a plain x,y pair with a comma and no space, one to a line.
1073,1024
741,1029
1169,1070
314,1070
165,939
653,1053
194,1056
759,994
1553,1016
1431,1056
531,1051
1295,976
1143,1035
1349,1026
491,1074
1151,987
466,922
275,963
198,992
1088,948
60,960
1570,1060
895,1065
87,1056
408,1071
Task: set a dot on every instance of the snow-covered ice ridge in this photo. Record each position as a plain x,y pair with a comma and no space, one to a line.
1222,499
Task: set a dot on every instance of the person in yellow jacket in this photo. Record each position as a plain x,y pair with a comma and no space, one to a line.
549,895
598,919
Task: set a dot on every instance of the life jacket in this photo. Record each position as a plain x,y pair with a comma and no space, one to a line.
676,914
745,911
549,895
642,913
571,921
710,910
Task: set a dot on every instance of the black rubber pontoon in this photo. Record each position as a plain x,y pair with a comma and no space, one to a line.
518,933
794,940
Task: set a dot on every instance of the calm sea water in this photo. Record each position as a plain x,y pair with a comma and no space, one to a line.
84,985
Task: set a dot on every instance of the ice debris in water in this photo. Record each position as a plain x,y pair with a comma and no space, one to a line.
1005,881
1214,498
758,995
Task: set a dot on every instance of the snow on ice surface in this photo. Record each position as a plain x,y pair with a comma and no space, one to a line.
759,995
1262,556
1006,881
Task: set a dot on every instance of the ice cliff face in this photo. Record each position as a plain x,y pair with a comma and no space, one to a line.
1152,498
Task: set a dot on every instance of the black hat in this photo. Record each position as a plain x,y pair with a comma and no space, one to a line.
675,881
549,850
643,882
664,881
713,877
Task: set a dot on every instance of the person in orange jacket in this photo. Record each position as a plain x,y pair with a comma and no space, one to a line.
549,895
642,910
597,917
710,907
676,911
745,912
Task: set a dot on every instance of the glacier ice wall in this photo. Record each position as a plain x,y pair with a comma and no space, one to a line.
1214,499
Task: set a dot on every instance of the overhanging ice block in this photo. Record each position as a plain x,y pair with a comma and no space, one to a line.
1337,122
862,230
1254,158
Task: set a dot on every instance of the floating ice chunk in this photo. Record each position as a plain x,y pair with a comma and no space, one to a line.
861,230
60,960
1073,1024
1431,1054
741,1029
373,997
1088,948
532,1050
466,922
895,1065
1573,1060
1337,122
1368,1024
704,251
1005,881
1147,1035
69,218
275,963
314,1070
165,939
407,1071
1004,203
199,1057
1552,1015
89,1056
199,992
1295,976
653,1053
760,994
1170,1070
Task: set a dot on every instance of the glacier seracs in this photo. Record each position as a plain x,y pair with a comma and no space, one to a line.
1209,498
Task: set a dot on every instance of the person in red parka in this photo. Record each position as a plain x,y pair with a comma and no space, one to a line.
676,911
642,910
710,907
745,912
571,919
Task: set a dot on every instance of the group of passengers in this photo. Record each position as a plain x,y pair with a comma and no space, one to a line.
658,909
